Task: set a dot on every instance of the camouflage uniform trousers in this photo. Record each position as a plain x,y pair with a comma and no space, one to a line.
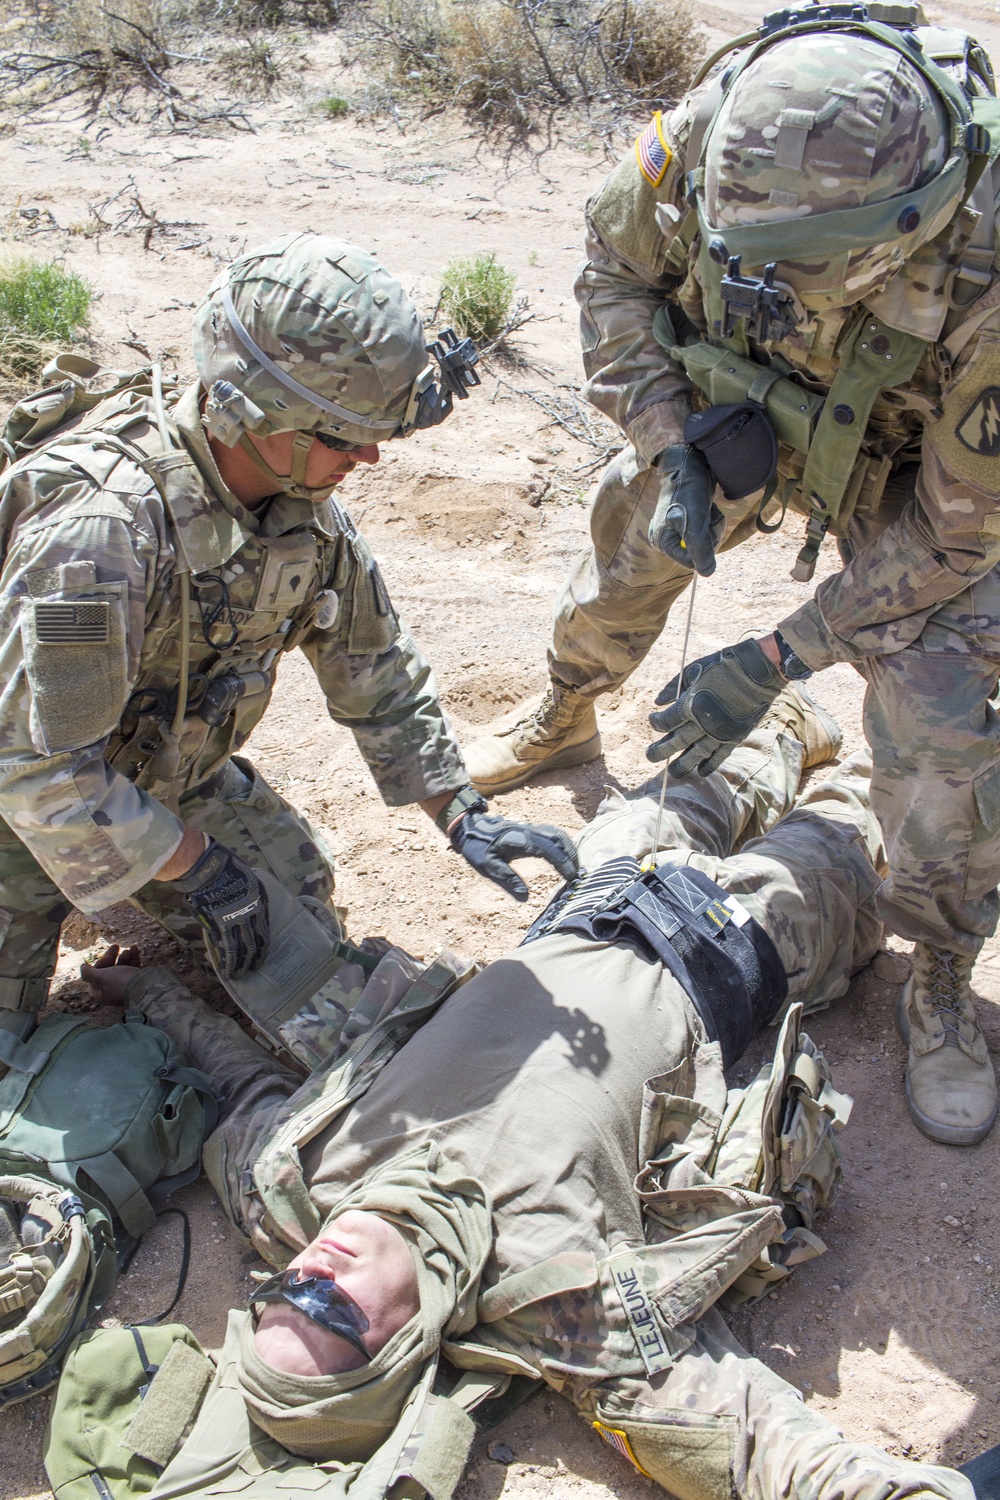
721,1424
236,806
933,734
807,866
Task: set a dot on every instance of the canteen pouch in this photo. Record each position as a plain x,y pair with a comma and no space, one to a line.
738,444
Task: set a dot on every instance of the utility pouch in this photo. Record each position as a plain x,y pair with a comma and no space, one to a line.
778,1138
738,444
724,378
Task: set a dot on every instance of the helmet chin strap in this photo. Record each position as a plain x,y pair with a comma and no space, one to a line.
294,483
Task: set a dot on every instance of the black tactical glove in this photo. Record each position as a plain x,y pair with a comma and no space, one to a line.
231,904
713,707
490,842
686,525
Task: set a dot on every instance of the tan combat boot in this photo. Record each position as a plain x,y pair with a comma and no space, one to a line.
561,731
806,721
950,1086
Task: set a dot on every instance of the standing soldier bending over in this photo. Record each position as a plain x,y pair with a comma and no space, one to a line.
158,562
790,289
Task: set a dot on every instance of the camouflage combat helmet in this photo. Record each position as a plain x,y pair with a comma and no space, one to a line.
836,151
308,334
47,1270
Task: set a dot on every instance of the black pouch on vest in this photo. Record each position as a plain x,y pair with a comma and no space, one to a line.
738,444
722,958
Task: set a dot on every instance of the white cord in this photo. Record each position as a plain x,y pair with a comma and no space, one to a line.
650,862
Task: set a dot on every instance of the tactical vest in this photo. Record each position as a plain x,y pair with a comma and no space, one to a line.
207,628
849,406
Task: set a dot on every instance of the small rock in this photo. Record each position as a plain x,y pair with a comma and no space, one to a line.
500,1453
950,1219
538,458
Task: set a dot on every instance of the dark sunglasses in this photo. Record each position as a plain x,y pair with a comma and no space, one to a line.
337,444
322,1300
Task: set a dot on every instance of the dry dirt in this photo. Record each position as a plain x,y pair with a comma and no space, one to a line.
889,1333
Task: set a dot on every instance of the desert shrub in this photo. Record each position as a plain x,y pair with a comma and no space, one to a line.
252,66
477,294
57,50
656,47
42,305
250,15
510,61
334,107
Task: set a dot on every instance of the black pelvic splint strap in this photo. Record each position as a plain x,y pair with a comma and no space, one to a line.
717,952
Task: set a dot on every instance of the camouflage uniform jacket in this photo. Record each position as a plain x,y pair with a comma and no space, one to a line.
96,529
913,552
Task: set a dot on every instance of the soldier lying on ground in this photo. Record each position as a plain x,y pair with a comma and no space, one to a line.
476,1192
158,562
839,153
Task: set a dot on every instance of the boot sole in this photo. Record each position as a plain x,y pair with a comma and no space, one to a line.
562,760
947,1135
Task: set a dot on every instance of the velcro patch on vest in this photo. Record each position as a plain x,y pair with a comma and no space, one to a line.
627,1274
617,1439
72,624
979,429
652,152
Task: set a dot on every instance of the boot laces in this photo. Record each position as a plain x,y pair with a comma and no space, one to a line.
945,983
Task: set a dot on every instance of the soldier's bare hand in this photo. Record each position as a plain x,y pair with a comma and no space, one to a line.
109,975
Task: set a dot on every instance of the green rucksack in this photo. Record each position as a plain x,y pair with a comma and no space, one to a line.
97,1125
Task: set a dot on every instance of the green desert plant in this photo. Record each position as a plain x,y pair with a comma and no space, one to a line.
42,305
477,294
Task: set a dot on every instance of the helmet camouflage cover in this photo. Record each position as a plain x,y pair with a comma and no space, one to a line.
820,123
314,335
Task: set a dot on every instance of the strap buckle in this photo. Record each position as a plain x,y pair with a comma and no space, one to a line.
977,139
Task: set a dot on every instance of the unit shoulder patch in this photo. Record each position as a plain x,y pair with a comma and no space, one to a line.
652,152
979,429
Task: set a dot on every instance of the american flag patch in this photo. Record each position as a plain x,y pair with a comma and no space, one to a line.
72,624
615,1438
652,152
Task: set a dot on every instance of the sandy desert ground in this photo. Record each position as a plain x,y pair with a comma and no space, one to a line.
894,1331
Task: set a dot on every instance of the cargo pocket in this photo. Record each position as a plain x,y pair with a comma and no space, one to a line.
372,622
987,790
75,662
689,1453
